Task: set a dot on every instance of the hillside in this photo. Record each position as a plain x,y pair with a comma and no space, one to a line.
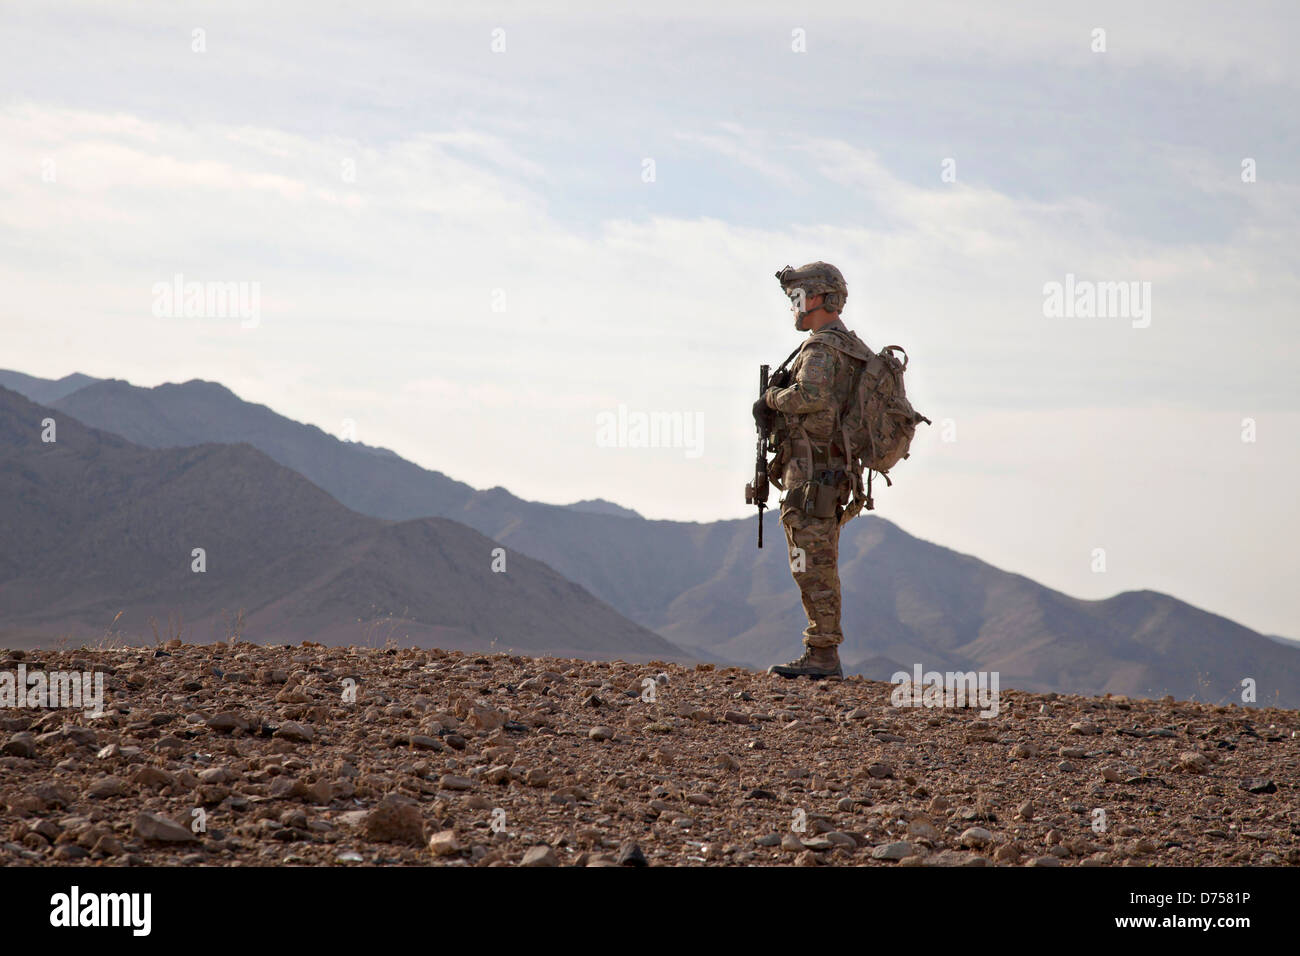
461,760
705,586
94,525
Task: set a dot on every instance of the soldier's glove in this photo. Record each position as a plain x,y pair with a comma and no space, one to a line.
780,379
763,414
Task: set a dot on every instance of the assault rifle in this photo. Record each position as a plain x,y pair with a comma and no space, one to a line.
756,490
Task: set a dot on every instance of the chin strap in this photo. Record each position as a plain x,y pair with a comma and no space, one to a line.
804,315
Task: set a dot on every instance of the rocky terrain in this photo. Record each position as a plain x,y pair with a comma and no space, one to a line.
237,754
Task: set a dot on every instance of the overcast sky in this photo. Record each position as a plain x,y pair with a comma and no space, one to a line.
476,231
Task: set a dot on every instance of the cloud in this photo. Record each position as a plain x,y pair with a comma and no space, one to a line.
748,150
493,277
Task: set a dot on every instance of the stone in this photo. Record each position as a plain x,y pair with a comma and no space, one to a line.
485,719
320,792
444,843
395,820
541,855
975,837
159,829
537,777
54,795
107,845
1190,761
921,829
20,745
629,854
215,775
1007,853
295,732
106,787
891,851
601,733
227,722
152,777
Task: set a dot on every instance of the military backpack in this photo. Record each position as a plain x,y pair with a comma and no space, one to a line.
876,423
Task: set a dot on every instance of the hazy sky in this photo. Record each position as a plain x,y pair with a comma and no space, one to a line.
475,231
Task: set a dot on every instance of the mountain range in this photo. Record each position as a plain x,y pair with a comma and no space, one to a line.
705,588
103,537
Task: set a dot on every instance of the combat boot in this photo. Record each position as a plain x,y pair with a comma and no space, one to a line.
814,662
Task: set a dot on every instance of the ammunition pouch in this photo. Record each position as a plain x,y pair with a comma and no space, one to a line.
820,495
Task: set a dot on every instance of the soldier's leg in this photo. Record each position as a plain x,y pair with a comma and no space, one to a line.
813,549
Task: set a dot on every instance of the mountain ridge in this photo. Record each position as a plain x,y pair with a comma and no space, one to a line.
95,525
705,586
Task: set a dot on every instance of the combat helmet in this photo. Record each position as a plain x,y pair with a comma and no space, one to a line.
816,278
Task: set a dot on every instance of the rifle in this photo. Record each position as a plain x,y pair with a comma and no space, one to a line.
756,490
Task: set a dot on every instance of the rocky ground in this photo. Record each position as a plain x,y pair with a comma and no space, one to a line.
452,759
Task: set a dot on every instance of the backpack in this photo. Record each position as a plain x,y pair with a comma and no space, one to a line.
876,422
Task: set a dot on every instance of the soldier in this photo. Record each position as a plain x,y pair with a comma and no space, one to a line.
804,410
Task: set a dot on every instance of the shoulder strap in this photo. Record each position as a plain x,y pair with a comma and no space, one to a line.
781,367
846,342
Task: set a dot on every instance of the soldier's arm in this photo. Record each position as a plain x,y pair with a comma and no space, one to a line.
811,389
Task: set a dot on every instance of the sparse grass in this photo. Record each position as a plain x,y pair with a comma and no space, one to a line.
175,627
110,641
234,628
388,625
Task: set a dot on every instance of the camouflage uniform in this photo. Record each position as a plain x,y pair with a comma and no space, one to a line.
821,379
